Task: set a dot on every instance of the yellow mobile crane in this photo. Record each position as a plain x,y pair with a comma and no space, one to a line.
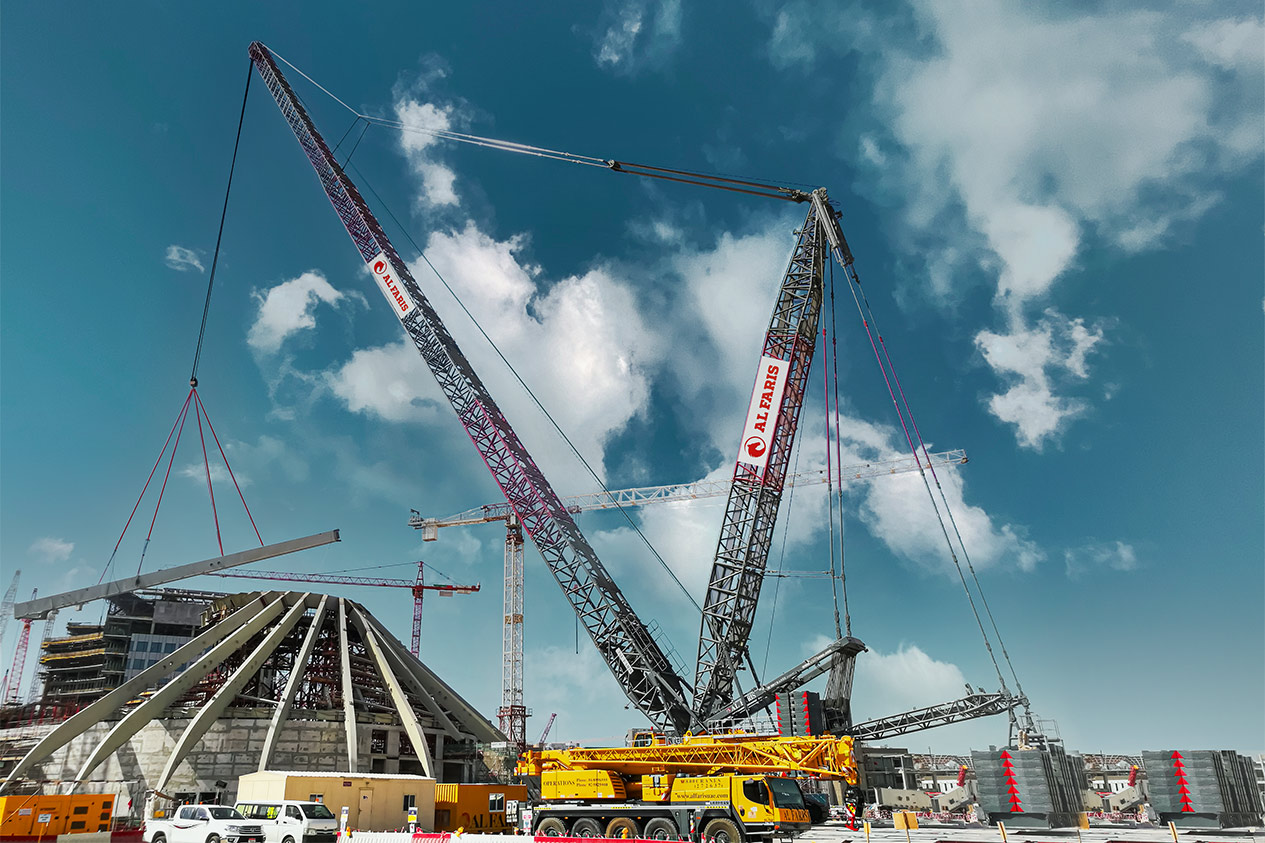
728,788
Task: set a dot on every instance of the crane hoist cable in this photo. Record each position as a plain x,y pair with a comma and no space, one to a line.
193,399
887,379
869,313
834,376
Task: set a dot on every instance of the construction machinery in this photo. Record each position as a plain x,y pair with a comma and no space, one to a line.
728,788
637,659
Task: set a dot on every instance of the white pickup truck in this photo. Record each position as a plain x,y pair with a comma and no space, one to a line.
204,824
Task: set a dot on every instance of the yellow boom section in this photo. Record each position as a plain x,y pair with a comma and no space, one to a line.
824,756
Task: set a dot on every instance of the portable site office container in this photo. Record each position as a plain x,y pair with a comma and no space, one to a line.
374,801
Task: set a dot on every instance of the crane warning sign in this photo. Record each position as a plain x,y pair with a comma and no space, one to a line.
389,283
762,415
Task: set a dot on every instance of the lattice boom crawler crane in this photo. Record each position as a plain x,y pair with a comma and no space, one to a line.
631,653
727,788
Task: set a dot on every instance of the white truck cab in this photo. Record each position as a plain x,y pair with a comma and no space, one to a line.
203,824
284,821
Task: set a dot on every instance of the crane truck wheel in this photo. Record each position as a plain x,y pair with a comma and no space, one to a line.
586,827
622,827
552,827
661,828
721,830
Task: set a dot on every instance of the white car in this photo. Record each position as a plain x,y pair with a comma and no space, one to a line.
204,824
286,821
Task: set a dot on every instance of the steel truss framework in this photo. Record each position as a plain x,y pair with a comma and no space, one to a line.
830,757
301,656
751,514
513,713
968,708
636,660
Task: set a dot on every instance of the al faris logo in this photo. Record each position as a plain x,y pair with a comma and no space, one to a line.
384,274
762,413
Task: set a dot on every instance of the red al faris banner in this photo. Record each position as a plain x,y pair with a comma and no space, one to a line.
762,415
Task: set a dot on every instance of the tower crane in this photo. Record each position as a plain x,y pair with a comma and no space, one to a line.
37,681
513,713
418,587
11,693
6,607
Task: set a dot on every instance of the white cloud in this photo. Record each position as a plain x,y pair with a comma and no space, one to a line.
51,549
1232,44
1034,360
390,382
196,472
438,179
581,345
897,510
1024,128
906,679
182,260
637,33
286,309
1116,556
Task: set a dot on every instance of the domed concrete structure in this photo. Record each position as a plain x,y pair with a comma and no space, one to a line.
272,680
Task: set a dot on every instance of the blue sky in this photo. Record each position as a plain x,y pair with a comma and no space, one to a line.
1057,216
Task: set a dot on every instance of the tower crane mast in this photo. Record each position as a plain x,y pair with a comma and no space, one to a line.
627,646
6,607
11,694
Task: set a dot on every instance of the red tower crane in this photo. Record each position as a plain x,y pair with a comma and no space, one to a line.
418,587
11,693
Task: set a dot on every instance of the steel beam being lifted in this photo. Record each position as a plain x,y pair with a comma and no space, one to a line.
37,609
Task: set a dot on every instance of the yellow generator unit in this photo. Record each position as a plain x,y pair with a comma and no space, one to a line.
476,808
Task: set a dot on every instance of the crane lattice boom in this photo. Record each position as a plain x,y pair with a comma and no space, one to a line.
633,656
764,454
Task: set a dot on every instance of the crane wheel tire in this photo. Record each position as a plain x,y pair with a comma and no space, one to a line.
622,827
721,830
661,828
552,827
586,827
